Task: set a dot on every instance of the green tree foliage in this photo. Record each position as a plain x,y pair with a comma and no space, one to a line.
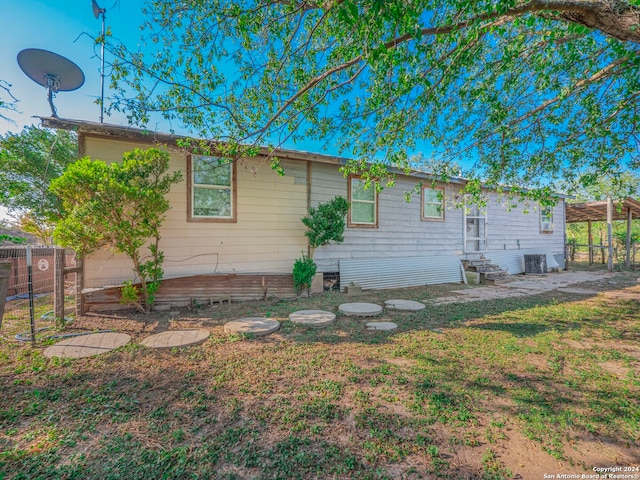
29,161
525,90
11,240
120,206
7,100
326,223
617,185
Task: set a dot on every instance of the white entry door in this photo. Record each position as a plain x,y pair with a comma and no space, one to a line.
475,229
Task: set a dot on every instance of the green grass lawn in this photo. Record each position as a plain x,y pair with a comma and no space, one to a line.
487,390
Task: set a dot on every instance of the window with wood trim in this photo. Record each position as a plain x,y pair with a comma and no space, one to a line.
211,189
432,204
363,204
546,219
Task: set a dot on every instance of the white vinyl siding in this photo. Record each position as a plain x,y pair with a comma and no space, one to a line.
400,231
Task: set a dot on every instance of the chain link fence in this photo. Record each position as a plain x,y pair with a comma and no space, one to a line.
38,286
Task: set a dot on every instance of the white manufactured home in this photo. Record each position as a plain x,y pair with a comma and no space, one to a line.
239,231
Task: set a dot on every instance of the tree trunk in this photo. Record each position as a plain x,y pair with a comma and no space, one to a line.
615,18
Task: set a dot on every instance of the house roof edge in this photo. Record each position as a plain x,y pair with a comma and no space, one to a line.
170,139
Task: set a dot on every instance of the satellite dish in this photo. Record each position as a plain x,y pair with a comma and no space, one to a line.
52,71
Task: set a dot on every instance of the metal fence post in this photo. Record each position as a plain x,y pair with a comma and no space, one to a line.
79,286
5,273
32,313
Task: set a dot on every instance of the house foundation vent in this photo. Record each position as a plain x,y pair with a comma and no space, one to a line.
331,281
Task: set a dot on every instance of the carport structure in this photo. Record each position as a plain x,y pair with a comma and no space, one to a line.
606,211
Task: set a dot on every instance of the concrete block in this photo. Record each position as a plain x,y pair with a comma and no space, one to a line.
220,299
317,285
473,277
162,307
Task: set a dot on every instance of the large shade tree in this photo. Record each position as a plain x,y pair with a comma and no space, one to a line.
29,161
523,90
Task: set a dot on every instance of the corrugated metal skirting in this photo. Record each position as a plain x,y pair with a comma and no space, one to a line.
381,273
513,260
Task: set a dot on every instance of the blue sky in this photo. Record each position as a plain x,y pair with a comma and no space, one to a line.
58,26
63,27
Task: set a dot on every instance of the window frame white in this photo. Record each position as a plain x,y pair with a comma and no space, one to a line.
423,204
355,224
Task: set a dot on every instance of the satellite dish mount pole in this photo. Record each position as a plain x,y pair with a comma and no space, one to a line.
97,11
52,83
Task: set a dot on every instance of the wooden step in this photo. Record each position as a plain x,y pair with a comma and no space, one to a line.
488,268
496,277
468,264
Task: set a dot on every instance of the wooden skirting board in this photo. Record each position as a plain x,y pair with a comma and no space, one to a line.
199,290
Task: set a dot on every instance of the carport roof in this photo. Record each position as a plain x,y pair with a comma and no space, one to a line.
597,211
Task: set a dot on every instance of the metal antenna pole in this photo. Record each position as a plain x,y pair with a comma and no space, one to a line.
97,11
102,70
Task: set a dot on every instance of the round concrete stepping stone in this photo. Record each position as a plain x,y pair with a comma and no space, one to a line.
87,345
360,309
258,326
313,318
384,326
177,338
399,304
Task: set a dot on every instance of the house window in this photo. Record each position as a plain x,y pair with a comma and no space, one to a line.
211,189
363,204
546,219
432,203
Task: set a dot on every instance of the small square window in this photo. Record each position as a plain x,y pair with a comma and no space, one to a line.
432,203
363,203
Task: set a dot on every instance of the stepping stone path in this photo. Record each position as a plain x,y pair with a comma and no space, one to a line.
360,309
398,304
177,338
87,345
258,326
313,318
384,326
